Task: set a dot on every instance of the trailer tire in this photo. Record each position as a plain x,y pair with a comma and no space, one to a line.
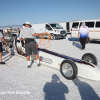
68,69
91,58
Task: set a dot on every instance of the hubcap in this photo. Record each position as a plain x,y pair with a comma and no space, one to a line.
67,70
88,59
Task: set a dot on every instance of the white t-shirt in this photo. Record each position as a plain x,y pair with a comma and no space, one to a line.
1,36
27,32
83,31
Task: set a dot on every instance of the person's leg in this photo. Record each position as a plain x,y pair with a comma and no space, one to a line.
28,61
34,50
0,56
36,56
37,59
28,58
1,50
81,42
84,43
28,53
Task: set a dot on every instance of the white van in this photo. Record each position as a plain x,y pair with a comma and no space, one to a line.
54,29
67,26
93,25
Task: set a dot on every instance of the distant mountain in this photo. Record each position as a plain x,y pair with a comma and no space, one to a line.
15,26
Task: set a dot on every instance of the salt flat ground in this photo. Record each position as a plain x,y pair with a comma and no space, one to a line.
44,83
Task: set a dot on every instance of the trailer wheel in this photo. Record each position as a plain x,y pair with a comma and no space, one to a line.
68,69
52,37
91,58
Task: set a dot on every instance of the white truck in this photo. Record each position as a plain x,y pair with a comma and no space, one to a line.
55,30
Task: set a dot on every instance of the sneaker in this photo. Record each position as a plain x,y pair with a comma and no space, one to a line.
38,65
29,66
2,63
83,49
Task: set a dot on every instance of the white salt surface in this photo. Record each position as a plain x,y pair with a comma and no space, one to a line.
44,83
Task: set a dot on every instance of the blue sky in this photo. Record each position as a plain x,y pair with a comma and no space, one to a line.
47,11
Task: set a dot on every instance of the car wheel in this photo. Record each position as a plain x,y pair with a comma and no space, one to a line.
68,69
52,37
91,58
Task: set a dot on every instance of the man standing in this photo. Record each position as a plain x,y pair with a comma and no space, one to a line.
83,34
1,49
28,34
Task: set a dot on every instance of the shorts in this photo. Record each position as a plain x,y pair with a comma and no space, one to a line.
1,49
30,47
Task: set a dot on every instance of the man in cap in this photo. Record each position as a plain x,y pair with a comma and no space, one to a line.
83,35
28,34
1,49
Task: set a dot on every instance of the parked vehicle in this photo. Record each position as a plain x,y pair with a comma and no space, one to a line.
69,67
55,30
93,25
67,26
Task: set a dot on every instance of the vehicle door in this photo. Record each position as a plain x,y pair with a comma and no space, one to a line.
75,29
48,29
97,30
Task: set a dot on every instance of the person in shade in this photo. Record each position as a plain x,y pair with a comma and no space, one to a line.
1,49
28,34
83,35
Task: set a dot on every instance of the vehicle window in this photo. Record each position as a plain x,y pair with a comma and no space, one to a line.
90,24
97,24
56,26
80,24
48,27
75,24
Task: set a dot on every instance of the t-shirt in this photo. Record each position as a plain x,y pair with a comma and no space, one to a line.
84,31
1,36
27,32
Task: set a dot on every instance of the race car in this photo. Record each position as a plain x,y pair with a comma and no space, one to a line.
68,66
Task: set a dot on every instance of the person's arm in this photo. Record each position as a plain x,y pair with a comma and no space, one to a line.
88,34
21,39
38,34
78,34
4,40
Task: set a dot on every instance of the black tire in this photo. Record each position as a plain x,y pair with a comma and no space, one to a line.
91,58
87,40
52,37
68,69
63,38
